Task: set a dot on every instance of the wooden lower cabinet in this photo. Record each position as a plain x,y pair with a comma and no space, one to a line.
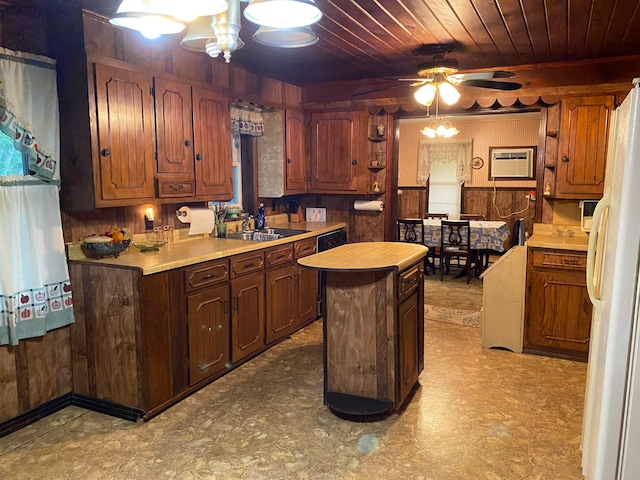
557,306
306,295
409,344
248,315
208,332
281,285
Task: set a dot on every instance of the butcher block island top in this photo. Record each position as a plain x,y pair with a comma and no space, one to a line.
373,326
366,256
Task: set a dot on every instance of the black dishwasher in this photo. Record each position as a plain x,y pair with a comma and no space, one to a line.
324,242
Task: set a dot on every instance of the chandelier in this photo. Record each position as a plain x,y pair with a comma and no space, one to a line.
215,24
439,127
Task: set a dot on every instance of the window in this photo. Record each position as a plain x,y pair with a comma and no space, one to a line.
11,160
444,189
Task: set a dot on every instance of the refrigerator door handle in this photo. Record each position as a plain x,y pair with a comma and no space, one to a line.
596,242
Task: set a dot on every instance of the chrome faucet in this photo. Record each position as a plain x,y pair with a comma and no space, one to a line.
245,223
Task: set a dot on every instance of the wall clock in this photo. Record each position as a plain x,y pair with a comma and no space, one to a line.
477,163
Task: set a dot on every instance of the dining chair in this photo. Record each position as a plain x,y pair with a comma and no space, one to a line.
411,230
455,241
434,252
472,216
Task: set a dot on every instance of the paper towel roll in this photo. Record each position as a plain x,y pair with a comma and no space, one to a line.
201,219
369,205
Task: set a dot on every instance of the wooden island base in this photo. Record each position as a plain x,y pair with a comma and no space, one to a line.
374,325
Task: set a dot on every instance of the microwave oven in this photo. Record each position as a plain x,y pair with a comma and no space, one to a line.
586,214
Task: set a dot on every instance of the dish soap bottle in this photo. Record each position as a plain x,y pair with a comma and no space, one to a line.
260,218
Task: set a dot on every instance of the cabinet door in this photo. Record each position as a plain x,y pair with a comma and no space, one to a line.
208,332
307,286
125,132
296,167
583,146
173,127
335,151
212,144
558,311
281,304
409,348
247,319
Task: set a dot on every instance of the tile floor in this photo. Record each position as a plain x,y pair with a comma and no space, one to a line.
478,414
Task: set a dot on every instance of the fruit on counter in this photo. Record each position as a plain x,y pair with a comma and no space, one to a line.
98,239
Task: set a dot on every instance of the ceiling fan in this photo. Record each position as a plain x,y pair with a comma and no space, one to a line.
441,75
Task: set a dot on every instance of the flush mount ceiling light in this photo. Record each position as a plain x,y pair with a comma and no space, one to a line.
282,13
188,10
285,37
137,15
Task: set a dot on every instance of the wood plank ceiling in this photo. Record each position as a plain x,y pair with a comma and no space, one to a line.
381,38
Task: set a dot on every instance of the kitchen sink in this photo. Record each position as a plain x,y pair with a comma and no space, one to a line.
266,234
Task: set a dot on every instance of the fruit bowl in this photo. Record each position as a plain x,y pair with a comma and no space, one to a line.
146,246
99,250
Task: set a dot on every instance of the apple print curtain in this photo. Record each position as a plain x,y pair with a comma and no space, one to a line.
35,293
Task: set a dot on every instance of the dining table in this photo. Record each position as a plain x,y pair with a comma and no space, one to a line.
484,235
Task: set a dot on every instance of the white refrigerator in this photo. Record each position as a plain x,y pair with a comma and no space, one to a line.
611,425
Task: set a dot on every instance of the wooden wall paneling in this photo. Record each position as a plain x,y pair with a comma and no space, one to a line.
292,95
9,404
114,334
412,202
81,362
155,338
219,73
477,201
98,37
191,66
22,28
77,225
48,366
243,84
368,226
270,91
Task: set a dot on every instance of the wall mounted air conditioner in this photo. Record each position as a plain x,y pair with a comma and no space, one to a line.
512,163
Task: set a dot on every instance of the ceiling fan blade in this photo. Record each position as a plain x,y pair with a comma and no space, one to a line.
491,84
458,78
374,90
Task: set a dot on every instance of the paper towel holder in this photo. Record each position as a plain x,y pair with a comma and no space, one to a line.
181,213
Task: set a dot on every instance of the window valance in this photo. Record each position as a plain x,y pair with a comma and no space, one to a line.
446,151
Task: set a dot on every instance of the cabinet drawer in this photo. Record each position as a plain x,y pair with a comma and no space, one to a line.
278,255
305,247
175,187
247,263
205,274
542,258
409,280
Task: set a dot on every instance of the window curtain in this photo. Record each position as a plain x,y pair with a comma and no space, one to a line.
246,120
35,292
445,150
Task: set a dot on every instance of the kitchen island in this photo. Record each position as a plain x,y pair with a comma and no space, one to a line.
374,324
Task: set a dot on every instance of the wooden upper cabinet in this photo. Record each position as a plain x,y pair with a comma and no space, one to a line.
584,129
335,152
212,144
125,135
173,127
296,167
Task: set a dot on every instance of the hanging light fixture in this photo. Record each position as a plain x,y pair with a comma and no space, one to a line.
201,38
137,15
282,13
438,127
188,10
285,37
